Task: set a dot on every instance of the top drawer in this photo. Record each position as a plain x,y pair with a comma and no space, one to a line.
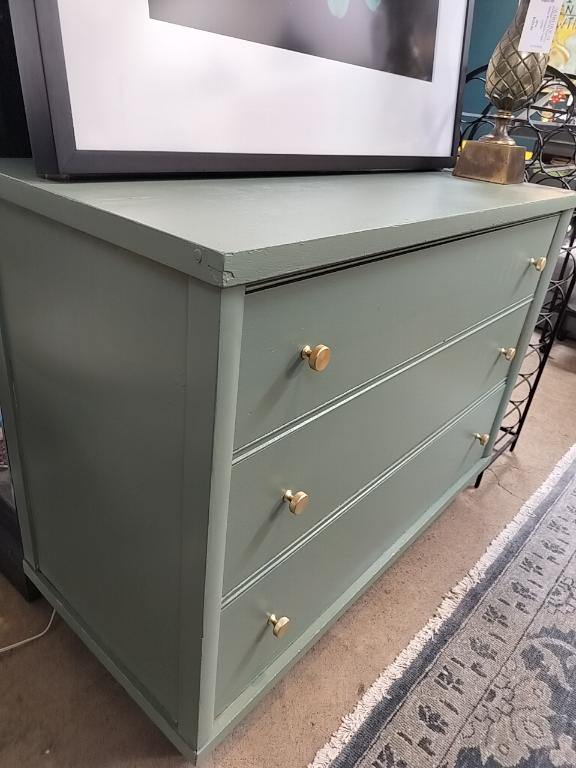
374,317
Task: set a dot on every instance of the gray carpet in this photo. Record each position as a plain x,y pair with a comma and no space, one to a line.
491,682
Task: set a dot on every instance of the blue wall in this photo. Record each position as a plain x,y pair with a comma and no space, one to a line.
491,19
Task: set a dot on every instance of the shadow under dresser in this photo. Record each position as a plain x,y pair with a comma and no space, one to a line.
230,404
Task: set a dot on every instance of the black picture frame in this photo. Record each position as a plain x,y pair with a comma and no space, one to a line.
42,67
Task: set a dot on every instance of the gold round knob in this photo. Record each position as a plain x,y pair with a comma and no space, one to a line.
297,501
318,357
280,626
539,264
509,353
483,439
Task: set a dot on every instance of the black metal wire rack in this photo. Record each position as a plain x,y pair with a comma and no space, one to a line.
547,129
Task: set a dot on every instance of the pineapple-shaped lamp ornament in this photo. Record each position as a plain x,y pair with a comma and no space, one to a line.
513,79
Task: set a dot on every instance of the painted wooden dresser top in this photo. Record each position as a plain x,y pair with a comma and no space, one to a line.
236,231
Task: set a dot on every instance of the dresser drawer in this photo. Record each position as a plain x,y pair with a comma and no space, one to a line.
373,318
333,456
308,582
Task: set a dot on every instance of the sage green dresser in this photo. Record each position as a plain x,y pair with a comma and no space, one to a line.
230,404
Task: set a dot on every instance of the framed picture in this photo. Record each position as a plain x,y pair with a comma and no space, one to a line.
241,86
563,53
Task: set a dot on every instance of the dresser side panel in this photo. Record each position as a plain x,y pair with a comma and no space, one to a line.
96,345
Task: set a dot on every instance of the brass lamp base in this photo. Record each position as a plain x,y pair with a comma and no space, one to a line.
493,162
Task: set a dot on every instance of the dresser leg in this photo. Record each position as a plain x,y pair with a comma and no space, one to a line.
478,482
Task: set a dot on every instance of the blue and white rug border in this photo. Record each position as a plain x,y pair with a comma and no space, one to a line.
461,598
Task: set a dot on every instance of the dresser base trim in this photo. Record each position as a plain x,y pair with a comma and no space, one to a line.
144,700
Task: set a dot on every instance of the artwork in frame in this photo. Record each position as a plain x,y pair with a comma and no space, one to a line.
241,86
563,54
366,33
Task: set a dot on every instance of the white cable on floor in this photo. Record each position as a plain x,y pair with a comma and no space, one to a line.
30,639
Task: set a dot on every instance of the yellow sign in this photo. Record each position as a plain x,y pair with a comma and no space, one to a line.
563,55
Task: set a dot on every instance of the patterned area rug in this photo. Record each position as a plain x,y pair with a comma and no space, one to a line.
490,682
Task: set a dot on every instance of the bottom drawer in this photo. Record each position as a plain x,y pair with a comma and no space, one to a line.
306,584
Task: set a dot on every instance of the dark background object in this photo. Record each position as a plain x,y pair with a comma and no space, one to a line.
11,552
11,549
14,141
397,36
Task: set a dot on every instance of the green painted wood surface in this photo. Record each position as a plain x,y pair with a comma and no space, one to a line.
344,448
282,664
142,698
98,342
314,577
237,231
458,284
224,393
122,379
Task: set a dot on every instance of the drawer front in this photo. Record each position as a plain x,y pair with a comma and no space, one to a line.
373,318
317,574
334,456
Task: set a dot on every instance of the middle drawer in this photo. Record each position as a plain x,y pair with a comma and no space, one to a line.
333,456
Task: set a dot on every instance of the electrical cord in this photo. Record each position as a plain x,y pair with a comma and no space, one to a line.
30,639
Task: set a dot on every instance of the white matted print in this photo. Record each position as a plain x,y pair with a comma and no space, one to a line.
306,78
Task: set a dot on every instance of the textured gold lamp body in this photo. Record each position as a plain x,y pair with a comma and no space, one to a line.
512,81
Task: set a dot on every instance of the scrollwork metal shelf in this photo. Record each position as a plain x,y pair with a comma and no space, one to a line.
547,129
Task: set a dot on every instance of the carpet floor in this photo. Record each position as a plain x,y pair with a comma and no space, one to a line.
60,709
491,679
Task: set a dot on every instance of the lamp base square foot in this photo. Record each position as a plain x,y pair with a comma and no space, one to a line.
495,163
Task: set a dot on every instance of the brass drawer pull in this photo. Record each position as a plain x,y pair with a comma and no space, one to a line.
318,357
280,626
509,353
297,501
539,264
483,439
